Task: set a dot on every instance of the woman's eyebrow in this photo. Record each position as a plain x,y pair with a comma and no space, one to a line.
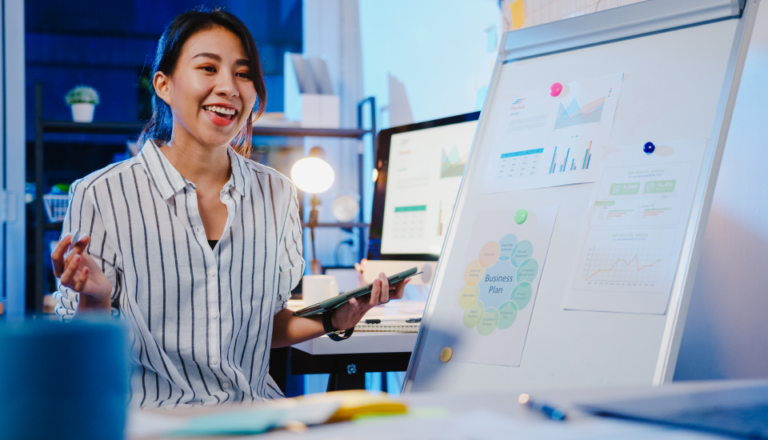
213,56
208,55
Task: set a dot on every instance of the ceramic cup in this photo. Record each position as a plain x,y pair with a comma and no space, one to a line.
317,288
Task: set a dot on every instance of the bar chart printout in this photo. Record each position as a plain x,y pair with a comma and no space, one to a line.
556,167
637,223
541,141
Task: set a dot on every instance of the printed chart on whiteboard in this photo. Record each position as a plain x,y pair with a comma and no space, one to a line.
495,291
637,224
548,138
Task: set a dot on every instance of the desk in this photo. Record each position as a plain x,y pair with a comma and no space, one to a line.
348,361
449,416
445,416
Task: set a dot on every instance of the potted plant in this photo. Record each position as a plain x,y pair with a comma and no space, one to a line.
82,99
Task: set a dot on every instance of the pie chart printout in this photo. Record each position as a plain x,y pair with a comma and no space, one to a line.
495,289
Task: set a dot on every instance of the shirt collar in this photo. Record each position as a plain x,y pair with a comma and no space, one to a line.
241,174
169,181
166,178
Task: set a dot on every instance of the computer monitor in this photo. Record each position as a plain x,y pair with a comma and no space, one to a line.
419,167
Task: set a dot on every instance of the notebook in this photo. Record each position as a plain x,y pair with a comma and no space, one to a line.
388,326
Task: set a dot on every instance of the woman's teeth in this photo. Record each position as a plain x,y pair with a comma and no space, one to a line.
220,110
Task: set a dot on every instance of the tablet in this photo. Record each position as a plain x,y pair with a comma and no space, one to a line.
338,301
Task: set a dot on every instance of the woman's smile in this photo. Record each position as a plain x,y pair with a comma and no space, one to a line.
220,114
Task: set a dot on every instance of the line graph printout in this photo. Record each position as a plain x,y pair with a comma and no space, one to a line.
637,223
541,141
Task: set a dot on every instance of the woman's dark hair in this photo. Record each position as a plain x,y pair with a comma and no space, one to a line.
160,126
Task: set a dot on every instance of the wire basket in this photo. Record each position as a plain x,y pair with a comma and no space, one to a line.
56,206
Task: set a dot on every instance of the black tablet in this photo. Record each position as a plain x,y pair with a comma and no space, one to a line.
338,301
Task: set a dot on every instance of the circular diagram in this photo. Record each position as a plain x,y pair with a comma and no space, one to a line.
498,284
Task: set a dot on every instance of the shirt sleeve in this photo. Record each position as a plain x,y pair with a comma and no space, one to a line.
84,214
290,251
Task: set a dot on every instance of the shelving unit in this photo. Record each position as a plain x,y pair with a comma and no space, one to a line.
42,127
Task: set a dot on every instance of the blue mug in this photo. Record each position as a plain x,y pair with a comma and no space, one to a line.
63,380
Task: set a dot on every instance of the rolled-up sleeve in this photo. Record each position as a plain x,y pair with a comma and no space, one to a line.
290,253
84,215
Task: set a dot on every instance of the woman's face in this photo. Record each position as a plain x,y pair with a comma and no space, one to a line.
211,93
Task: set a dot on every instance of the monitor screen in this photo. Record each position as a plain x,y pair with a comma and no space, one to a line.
423,173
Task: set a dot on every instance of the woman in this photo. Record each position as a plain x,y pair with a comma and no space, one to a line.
197,246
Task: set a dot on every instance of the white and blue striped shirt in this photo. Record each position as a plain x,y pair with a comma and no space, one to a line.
201,318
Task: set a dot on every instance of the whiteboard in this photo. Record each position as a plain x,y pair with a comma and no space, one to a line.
681,61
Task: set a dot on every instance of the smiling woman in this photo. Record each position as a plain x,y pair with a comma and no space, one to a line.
193,245
198,27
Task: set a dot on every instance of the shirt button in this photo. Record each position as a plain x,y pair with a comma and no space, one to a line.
215,362
225,385
214,315
212,273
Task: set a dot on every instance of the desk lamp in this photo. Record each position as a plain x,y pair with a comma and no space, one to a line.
313,175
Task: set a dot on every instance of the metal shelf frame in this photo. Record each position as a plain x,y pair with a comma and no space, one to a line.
35,304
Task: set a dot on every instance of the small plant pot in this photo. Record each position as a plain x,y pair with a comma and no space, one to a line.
82,112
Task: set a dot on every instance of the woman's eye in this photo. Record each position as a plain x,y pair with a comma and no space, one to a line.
244,75
208,68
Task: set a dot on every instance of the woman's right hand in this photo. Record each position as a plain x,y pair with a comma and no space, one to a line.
79,272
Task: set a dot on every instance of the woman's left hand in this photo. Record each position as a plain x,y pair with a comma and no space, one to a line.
348,315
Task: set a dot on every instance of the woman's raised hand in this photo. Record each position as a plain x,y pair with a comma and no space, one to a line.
348,315
78,271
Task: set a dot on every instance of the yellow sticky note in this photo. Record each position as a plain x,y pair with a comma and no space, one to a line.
356,403
518,14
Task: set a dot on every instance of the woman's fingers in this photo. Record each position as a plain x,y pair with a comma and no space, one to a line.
399,289
69,272
373,300
81,277
57,256
384,296
78,248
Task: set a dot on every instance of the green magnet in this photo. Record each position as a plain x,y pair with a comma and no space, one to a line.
521,216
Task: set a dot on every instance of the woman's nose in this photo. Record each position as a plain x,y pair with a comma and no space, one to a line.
225,85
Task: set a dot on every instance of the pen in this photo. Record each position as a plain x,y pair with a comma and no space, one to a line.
75,237
548,410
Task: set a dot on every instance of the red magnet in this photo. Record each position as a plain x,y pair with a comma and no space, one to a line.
556,89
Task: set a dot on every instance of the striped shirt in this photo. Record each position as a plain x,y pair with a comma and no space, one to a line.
201,317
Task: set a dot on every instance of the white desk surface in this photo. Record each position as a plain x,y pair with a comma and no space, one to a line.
446,415
368,342
455,416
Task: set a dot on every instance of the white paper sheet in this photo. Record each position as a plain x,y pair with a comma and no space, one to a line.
540,141
494,294
637,222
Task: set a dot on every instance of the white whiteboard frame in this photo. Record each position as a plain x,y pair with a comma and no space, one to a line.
632,21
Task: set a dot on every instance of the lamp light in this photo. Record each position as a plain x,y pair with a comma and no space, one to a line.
313,175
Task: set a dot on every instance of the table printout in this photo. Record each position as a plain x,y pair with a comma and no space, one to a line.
637,223
494,295
540,140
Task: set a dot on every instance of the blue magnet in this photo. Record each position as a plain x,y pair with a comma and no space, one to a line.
649,147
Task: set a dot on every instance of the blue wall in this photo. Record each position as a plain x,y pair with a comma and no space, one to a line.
107,44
